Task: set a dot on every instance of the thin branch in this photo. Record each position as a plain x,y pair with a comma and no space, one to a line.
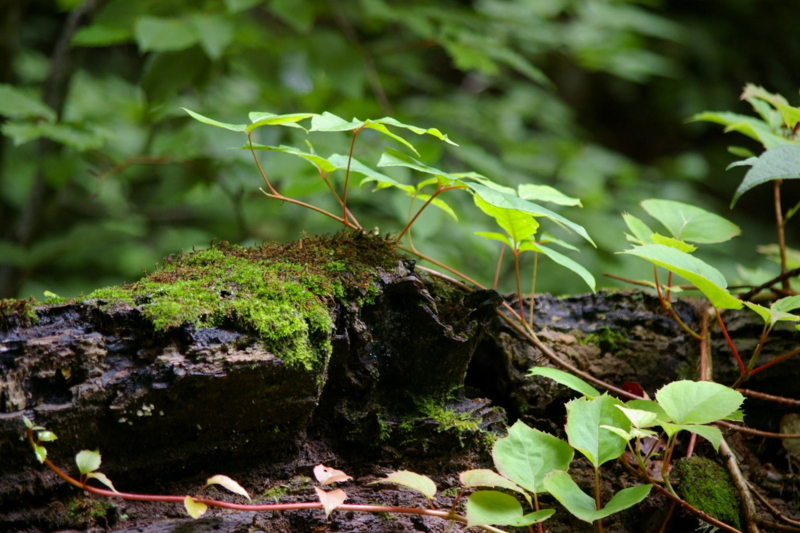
748,504
775,361
789,402
779,224
307,206
731,345
751,431
778,279
772,509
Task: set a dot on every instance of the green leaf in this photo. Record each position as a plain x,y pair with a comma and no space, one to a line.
673,243
496,237
16,103
700,274
710,433
519,226
565,378
320,163
639,418
88,461
564,261
381,180
393,158
46,436
698,402
509,201
526,455
740,151
489,507
40,452
215,33
27,422
545,193
80,137
584,418
156,34
781,163
583,506
641,232
411,480
483,477
752,127
549,239
771,316
689,223
263,118
419,131
212,122
100,35
650,406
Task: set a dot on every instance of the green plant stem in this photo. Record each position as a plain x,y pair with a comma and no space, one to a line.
347,172
519,284
260,168
669,285
533,289
666,305
598,504
445,515
407,227
779,225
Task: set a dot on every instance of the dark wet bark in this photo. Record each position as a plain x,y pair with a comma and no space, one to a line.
168,409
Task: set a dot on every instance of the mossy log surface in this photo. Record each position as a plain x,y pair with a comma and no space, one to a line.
400,371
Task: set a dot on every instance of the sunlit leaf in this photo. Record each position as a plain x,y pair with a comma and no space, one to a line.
327,475
508,201
564,261
545,193
710,433
489,507
639,418
565,378
483,477
411,480
393,158
419,131
501,237
262,118
698,402
212,122
40,452
526,455
519,226
747,125
46,436
195,509
228,483
88,461
697,272
641,232
102,478
320,163
673,243
331,499
689,223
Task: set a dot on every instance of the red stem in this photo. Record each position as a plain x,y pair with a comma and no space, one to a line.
742,368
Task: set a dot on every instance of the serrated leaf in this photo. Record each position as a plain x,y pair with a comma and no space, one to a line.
639,418
770,316
102,478
519,226
545,193
483,477
583,506
564,261
331,499
495,237
673,243
565,378
212,122
157,34
706,278
194,508
262,118
698,402
16,103
327,475
411,480
584,418
710,433
782,162
320,163
508,201
228,483
88,461
689,223
526,455
489,507
641,232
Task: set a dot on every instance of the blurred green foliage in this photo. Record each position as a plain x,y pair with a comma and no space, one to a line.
102,174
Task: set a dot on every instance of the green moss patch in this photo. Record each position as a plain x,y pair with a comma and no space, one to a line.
20,313
282,293
708,486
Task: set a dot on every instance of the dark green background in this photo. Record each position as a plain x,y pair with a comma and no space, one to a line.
589,96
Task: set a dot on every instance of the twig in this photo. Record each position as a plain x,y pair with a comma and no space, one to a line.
789,402
777,279
772,509
751,431
749,506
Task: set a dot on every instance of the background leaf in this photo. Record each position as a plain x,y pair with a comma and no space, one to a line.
782,162
411,480
689,223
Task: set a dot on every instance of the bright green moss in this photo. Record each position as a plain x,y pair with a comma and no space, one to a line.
283,293
708,486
